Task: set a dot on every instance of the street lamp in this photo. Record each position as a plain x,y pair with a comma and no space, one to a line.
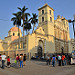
62,48
72,21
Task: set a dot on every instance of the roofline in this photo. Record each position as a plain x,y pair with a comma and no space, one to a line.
45,6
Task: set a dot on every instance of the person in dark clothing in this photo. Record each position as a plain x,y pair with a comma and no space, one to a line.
69,59
24,59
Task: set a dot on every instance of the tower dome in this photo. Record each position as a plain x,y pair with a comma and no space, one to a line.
15,29
14,32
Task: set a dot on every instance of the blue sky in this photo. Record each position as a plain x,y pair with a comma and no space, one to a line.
65,8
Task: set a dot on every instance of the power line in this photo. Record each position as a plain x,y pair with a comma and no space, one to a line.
4,20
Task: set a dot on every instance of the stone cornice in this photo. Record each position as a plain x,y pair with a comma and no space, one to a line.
46,5
60,40
60,28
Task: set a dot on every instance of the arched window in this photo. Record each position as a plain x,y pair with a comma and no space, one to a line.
50,12
50,19
42,11
42,19
13,34
18,34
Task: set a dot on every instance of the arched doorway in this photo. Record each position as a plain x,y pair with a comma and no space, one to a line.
39,51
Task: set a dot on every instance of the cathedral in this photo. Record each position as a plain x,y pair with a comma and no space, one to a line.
50,37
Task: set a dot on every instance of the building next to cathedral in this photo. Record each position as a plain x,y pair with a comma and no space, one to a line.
51,36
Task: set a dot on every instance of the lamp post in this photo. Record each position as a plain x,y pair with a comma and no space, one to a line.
62,48
72,21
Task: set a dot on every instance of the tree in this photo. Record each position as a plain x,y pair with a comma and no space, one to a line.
23,15
17,21
27,26
34,20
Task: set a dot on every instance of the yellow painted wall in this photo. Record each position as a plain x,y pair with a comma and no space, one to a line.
16,33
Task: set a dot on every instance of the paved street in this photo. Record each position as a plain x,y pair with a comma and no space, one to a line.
39,68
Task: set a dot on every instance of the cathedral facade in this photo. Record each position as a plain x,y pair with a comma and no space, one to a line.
51,36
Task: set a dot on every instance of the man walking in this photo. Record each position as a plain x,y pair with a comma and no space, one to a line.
59,60
3,60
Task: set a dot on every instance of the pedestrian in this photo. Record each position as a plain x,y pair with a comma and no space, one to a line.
69,59
0,60
17,60
21,60
48,60
8,62
53,60
65,60
63,57
59,60
24,59
3,60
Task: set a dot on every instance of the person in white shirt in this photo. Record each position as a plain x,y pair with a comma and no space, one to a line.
3,60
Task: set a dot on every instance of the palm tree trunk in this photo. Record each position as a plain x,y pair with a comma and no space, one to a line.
23,33
23,28
33,27
19,38
26,32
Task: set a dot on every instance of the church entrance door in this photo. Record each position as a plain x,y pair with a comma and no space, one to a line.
39,51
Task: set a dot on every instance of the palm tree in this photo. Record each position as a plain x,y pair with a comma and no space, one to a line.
23,15
34,20
27,26
17,21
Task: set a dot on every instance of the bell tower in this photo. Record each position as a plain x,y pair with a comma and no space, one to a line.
46,19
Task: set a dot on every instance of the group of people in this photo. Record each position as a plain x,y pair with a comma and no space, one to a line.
20,59
61,60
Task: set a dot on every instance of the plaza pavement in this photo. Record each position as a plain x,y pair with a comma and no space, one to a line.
38,68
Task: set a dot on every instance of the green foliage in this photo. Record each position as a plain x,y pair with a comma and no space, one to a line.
22,15
17,19
34,20
69,21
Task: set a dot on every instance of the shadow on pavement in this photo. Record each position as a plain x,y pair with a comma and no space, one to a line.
14,65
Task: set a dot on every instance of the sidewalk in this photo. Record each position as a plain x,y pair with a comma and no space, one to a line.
39,68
